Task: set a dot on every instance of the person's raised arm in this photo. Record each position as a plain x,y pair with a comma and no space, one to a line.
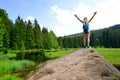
92,16
78,18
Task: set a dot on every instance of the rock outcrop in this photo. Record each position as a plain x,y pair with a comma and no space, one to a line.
84,64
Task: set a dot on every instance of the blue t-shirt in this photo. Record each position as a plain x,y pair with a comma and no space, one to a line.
86,27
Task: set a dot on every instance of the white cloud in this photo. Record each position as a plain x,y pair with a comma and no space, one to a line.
62,15
66,22
30,18
108,12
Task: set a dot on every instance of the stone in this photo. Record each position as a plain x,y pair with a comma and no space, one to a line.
84,64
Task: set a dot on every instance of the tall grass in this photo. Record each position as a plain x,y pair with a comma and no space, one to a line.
59,53
111,54
9,77
9,66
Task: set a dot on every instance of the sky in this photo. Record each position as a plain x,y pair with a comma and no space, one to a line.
58,15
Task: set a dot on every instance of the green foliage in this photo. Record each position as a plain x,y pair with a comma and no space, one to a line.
111,54
60,42
15,47
9,77
19,32
30,43
70,41
59,53
9,56
37,35
53,38
5,28
1,31
8,66
24,35
108,38
36,56
22,46
46,39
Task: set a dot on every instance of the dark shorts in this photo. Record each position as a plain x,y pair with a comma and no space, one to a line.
86,31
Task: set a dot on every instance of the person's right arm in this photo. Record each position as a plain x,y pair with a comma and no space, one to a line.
78,18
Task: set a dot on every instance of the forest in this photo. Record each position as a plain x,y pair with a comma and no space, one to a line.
25,35
106,38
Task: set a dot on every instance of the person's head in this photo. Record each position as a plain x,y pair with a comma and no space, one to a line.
85,19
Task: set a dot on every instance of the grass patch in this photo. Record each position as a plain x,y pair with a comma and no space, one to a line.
9,56
9,77
111,54
10,66
59,53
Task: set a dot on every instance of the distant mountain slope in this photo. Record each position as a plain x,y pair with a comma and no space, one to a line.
114,27
107,37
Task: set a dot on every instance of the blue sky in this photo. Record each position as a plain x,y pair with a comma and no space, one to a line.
58,15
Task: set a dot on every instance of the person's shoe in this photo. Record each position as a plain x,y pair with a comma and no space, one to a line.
84,47
88,46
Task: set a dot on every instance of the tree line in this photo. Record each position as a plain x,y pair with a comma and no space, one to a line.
23,35
108,38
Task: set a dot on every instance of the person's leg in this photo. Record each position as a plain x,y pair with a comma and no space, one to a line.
84,39
88,39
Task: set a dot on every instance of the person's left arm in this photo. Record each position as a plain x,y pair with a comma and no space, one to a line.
92,16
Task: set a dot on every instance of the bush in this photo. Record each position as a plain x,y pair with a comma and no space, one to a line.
20,55
14,66
5,51
26,63
9,56
9,77
37,56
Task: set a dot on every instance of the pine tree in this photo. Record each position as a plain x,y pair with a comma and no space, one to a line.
1,32
54,42
46,39
3,18
60,41
37,35
6,40
65,42
19,31
30,43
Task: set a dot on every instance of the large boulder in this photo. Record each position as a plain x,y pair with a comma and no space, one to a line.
84,64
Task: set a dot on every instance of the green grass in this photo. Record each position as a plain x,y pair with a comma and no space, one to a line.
10,66
9,77
111,54
59,53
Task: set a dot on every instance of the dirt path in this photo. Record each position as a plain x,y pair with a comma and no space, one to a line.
84,64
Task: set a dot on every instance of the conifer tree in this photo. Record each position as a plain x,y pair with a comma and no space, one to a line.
53,38
46,39
60,41
37,35
30,43
3,18
19,31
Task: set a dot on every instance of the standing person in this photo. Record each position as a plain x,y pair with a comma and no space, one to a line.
86,31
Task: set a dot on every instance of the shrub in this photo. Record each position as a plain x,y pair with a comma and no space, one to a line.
9,56
9,77
5,51
37,56
14,66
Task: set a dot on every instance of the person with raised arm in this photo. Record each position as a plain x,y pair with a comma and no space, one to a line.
86,31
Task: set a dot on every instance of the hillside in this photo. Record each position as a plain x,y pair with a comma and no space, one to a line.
84,64
114,27
107,37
